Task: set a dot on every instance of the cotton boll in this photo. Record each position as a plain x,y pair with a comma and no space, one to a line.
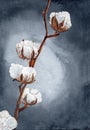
26,49
31,95
37,94
60,21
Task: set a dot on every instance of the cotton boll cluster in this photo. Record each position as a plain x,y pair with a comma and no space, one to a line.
31,96
26,49
26,75
60,21
22,74
30,51
7,122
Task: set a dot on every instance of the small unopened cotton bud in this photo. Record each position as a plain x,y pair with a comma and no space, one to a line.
22,74
31,96
26,49
60,21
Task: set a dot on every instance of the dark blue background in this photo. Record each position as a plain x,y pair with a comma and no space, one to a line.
74,113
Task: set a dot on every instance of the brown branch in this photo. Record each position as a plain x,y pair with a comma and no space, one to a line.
18,103
46,27
45,14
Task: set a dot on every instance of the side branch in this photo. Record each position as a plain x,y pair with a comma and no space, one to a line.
23,108
53,35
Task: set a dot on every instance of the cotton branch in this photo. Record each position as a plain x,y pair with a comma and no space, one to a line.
33,61
29,50
60,22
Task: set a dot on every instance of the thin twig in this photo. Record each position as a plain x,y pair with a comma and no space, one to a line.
23,108
45,14
53,35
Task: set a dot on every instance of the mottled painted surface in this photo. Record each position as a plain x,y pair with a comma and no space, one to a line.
63,68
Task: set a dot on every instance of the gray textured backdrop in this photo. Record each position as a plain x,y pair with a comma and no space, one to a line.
63,73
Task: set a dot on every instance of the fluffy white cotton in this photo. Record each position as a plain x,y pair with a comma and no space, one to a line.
28,74
7,122
26,48
30,98
15,71
64,16
22,74
31,95
60,21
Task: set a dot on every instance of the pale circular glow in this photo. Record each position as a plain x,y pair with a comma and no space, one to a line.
54,67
